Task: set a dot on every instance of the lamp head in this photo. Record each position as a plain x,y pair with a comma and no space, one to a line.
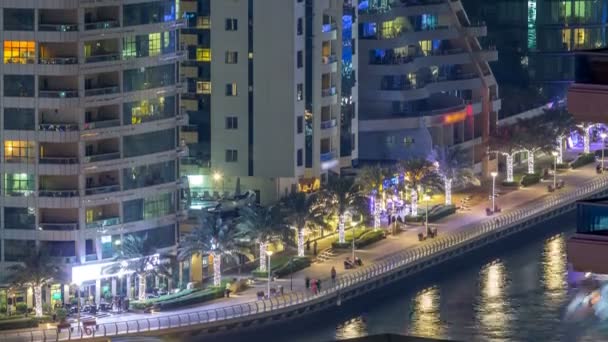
494,173
269,253
554,153
217,176
603,135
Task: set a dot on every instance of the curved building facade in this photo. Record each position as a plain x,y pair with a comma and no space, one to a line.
90,111
426,81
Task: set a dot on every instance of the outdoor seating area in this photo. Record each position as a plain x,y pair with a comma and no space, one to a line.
558,185
351,264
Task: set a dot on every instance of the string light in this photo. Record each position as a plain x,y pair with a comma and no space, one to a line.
448,190
301,242
263,256
217,271
341,238
530,161
509,167
560,151
414,203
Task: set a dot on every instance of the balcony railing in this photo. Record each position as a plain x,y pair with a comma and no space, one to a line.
329,123
101,157
102,58
111,221
58,60
102,124
99,25
58,27
58,127
102,189
58,93
58,226
58,160
102,91
57,193
328,156
329,92
329,27
329,59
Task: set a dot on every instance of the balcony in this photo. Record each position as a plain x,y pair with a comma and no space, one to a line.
329,124
101,25
329,59
58,60
328,156
58,193
57,94
58,160
58,127
106,222
327,92
58,27
58,226
329,27
102,58
102,91
102,189
102,124
101,157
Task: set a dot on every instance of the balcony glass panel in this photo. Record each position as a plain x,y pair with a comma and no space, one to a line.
19,119
19,86
147,143
19,218
110,221
149,110
146,45
149,78
149,13
148,175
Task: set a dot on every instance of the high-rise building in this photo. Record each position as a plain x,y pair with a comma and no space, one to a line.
536,40
270,108
90,111
425,81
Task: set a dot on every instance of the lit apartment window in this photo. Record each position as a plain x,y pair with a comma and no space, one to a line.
232,57
203,87
232,122
154,44
18,151
231,89
203,22
232,156
18,184
19,52
408,141
203,55
129,47
300,92
232,24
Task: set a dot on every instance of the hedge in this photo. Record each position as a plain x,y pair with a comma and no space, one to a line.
563,166
529,179
582,160
198,297
365,239
145,304
20,323
283,269
435,213
510,184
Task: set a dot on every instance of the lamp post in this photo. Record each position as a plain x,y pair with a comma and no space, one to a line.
603,136
555,154
217,177
269,254
426,219
494,174
77,304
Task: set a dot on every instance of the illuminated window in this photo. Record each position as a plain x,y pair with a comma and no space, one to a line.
154,44
129,47
231,89
18,151
580,38
203,55
19,52
203,87
18,184
426,46
147,110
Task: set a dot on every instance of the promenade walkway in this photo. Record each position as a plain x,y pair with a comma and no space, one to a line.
381,250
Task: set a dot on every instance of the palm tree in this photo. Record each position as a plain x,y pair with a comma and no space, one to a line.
301,211
139,255
263,225
371,182
535,136
419,172
506,141
454,169
562,123
343,195
35,270
212,236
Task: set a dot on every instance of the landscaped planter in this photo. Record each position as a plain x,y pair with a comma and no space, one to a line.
365,239
530,179
582,160
436,213
297,264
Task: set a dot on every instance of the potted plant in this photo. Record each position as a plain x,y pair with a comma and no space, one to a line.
62,315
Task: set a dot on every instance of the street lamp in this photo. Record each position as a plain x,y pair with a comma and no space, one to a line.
426,220
269,254
217,177
555,154
494,174
603,136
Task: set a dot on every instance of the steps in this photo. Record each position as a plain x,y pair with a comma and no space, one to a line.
325,255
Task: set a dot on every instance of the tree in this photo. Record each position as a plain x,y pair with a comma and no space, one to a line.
420,172
212,236
562,123
300,211
263,225
371,182
139,255
507,142
342,195
36,270
454,168
536,136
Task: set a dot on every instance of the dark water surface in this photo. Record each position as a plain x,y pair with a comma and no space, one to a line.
515,290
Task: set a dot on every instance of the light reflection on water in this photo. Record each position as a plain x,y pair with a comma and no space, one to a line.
492,309
425,316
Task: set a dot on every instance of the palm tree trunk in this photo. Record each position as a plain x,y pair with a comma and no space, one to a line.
142,286
447,183
530,161
341,238
263,256
217,269
509,167
377,211
414,202
586,139
560,150
300,242
38,300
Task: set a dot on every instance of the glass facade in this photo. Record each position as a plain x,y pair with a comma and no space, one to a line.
592,217
149,12
149,110
147,143
19,218
148,175
147,78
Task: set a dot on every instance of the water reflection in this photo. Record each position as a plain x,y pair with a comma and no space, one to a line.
555,268
352,328
425,317
492,310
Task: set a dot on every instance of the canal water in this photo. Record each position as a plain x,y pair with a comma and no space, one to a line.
515,290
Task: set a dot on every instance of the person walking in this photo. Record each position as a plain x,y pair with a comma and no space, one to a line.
314,286
333,275
319,285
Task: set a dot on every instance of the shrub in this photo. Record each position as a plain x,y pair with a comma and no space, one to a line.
61,314
435,213
140,305
510,184
198,297
369,238
20,323
529,179
582,160
563,166
293,265
21,308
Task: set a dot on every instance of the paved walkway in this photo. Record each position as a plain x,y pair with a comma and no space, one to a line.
391,245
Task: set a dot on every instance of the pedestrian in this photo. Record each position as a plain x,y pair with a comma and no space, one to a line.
314,286
315,248
333,275
307,282
319,285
